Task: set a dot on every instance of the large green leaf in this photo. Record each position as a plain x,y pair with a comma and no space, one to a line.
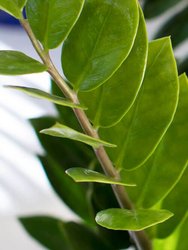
138,134
176,27
178,203
13,7
46,96
87,175
59,157
52,20
63,131
153,8
176,241
99,42
17,63
56,234
153,182
123,219
108,103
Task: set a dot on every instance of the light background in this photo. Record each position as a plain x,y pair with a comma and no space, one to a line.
24,188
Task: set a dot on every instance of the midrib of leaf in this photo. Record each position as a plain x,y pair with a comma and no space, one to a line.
120,157
94,48
64,233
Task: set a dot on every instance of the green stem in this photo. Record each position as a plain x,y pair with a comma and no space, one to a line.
140,238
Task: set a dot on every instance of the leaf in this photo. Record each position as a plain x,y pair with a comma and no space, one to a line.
59,156
170,157
123,219
13,7
110,102
176,27
56,234
52,20
17,63
46,96
99,42
87,175
138,134
153,8
63,131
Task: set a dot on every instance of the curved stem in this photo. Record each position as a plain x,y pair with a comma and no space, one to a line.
140,238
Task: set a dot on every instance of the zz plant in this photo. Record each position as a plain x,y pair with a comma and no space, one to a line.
130,118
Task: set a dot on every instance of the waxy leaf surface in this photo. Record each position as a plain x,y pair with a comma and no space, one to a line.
108,103
59,130
17,63
52,20
99,42
138,134
123,219
165,167
13,7
46,96
87,175
55,234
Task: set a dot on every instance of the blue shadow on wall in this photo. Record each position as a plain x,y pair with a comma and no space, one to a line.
8,19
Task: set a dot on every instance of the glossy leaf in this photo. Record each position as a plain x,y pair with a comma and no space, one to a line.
17,63
176,27
13,7
177,201
46,96
108,103
153,8
170,157
52,20
87,175
138,134
123,219
99,42
56,234
63,131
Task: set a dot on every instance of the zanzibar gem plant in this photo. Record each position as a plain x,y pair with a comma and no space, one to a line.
123,121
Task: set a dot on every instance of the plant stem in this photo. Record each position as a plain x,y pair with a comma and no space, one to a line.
140,238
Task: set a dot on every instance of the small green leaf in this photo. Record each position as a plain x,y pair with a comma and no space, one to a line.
140,131
46,96
87,175
99,42
134,220
13,7
110,102
59,130
52,20
17,63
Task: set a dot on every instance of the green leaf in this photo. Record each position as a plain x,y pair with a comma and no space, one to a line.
56,234
170,157
153,8
17,63
99,42
123,219
87,175
59,157
108,103
63,131
138,134
52,20
13,7
46,96
176,27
